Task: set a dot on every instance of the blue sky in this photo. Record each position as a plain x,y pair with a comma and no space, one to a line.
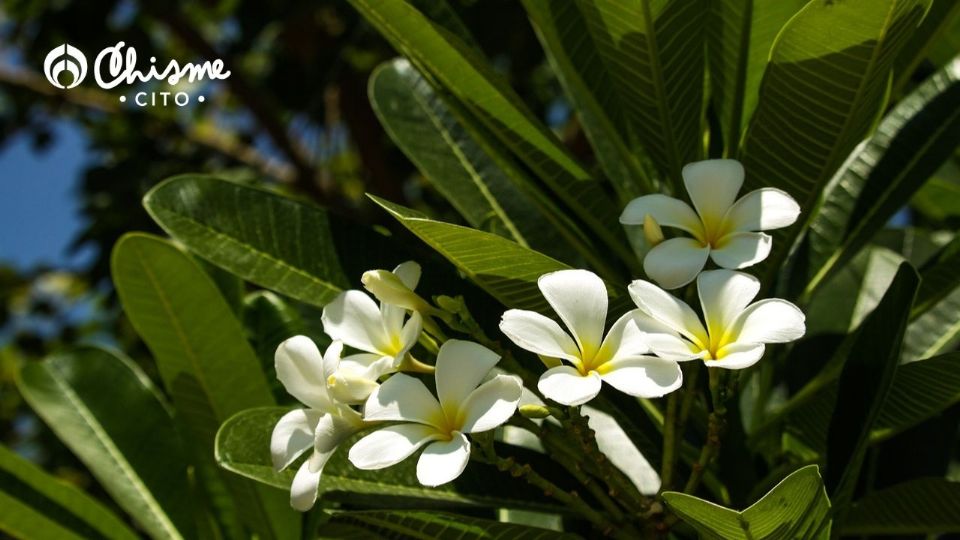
38,209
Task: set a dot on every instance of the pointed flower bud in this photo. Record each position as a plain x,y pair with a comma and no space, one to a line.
388,288
534,411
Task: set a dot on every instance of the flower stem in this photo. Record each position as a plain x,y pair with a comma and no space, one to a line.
620,486
570,499
715,429
669,459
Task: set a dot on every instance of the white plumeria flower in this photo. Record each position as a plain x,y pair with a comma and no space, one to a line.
735,330
722,229
322,426
379,331
465,406
621,358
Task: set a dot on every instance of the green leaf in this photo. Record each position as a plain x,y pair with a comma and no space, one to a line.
938,199
110,415
263,237
864,384
920,390
421,124
920,506
637,88
740,34
936,26
918,135
934,332
797,507
938,278
825,84
503,268
459,69
843,302
203,357
34,504
414,525
243,447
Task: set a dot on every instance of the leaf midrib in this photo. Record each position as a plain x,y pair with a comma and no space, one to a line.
220,235
114,454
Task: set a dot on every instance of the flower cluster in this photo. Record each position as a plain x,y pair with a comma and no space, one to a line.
639,354
330,385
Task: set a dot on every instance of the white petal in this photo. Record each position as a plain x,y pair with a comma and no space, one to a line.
403,398
675,262
666,211
443,461
292,436
763,210
490,405
624,338
303,491
665,342
390,445
300,370
724,295
353,385
354,318
580,299
769,321
461,365
410,333
331,358
409,274
644,376
742,249
668,310
567,386
738,356
333,429
713,186
538,334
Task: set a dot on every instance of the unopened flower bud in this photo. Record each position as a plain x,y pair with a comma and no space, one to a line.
350,388
388,288
652,231
534,411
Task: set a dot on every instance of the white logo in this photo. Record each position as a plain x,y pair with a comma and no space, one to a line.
117,65
65,58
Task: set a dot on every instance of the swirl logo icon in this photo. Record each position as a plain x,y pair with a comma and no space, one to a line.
65,58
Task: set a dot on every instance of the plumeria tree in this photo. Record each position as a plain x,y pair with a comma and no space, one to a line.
700,328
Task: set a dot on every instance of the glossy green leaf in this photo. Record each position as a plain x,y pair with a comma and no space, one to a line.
263,237
938,278
920,390
416,525
421,124
110,415
471,81
740,34
637,90
936,26
797,507
921,506
934,332
912,141
825,84
503,268
864,384
34,504
938,199
203,357
243,447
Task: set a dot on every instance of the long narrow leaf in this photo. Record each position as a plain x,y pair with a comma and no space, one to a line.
825,84
202,355
34,504
107,412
